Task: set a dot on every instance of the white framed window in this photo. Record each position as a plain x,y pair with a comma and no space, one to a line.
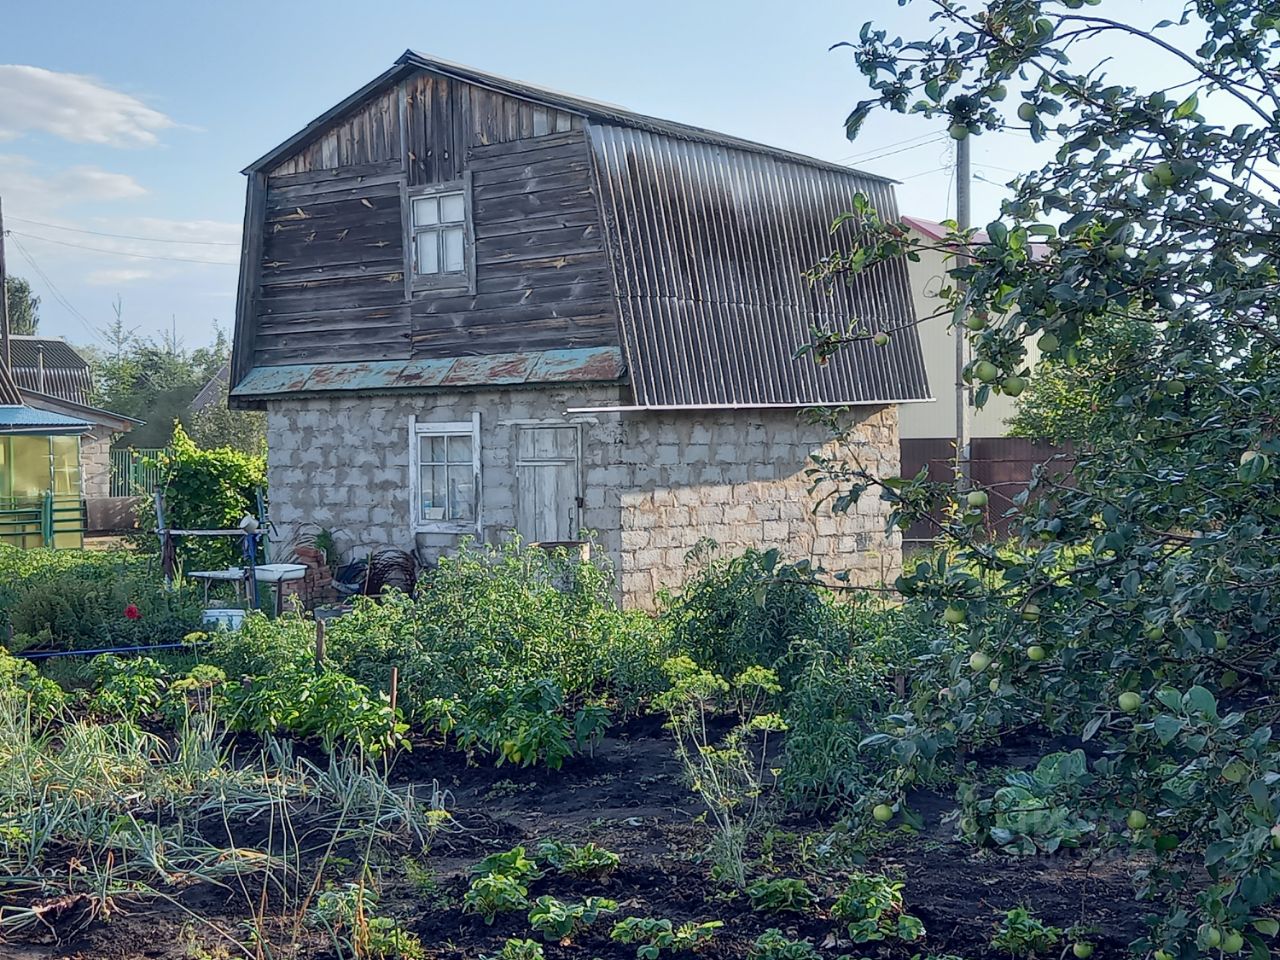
438,244
444,476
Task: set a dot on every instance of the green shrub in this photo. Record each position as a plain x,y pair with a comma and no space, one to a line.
1023,934
587,860
492,894
652,936
560,921
19,677
204,490
774,945
781,895
736,612
79,600
871,908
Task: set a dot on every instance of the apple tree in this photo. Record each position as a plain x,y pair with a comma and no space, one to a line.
1137,611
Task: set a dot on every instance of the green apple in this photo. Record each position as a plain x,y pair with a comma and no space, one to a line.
1233,942
1013,386
986,371
954,613
1162,955
1153,632
1035,653
1027,111
1082,950
1136,820
1114,251
975,322
881,339
1031,612
958,131
979,661
882,812
997,91
1220,640
994,685
1048,343
1210,936
1175,387
1129,701
1163,172
977,499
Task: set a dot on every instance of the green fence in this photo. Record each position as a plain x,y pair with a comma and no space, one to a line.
46,521
134,472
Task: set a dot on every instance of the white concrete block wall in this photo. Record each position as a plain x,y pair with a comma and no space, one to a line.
654,485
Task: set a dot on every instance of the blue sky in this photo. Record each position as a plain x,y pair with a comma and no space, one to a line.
134,118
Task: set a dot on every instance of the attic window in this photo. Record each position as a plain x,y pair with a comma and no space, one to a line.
439,248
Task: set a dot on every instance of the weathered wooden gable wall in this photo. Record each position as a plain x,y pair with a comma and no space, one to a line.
333,259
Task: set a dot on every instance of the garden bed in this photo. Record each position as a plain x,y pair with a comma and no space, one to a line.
630,798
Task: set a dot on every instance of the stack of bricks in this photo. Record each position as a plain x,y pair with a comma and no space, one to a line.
317,586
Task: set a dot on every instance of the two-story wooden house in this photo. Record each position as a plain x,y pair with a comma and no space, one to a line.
471,306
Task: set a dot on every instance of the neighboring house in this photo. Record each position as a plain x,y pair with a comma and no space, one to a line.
211,392
937,341
54,446
470,306
53,377
1001,464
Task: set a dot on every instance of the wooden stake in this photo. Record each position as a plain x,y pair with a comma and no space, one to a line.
395,689
319,645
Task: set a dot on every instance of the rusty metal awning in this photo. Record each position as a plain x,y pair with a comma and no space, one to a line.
496,370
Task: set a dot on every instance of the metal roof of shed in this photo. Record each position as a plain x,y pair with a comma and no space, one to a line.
66,373
23,419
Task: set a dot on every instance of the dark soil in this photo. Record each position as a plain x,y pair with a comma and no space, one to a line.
629,797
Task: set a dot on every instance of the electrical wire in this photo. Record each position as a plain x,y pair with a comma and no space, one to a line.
120,253
890,153
129,236
57,294
909,144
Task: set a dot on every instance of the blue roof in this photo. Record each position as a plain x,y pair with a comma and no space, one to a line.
30,420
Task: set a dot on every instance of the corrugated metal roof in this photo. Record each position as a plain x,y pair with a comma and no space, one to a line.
504,369
9,395
66,373
20,419
411,61
709,245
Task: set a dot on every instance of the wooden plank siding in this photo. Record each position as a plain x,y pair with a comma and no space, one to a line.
331,266
542,275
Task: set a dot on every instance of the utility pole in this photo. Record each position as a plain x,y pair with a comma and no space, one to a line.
963,441
5,353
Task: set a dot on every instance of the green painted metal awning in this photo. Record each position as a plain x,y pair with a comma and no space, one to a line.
494,370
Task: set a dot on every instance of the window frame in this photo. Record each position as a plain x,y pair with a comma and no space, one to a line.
463,280
453,428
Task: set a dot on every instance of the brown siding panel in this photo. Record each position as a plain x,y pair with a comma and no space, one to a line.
542,276
332,266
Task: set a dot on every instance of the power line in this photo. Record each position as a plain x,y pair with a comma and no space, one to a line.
120,253
57,294
908,144
889,153
129,236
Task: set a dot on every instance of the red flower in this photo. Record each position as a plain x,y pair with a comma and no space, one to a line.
132,612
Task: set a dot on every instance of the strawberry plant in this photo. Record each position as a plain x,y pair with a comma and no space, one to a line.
587,860
652,936
557,921
773,944
1023,934
871,908
781,895
517,949
492,894
514,864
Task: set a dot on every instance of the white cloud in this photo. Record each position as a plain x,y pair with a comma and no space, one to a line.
73,107
112,278
28,192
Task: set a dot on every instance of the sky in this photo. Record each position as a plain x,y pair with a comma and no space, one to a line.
123,126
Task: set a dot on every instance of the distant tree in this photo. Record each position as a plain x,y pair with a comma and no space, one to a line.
1068,399
217,425
24,307
153,381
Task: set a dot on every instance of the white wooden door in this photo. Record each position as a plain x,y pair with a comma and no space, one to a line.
548,483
